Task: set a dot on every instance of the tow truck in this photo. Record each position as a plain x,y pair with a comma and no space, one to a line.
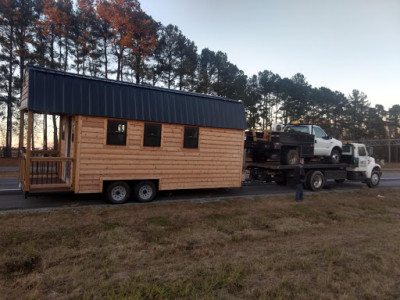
355,165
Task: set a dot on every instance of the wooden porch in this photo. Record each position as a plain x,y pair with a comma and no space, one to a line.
43,170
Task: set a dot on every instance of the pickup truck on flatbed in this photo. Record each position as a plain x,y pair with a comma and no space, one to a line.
294,142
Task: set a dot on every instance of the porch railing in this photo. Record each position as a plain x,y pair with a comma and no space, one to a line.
45,171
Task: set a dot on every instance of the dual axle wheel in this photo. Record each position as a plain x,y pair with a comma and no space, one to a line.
119,192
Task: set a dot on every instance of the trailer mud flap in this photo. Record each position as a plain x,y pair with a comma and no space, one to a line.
335,174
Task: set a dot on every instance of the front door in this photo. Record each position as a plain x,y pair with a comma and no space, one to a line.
362,158
322,144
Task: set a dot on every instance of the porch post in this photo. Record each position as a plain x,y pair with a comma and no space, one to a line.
59,136
28,152
21,130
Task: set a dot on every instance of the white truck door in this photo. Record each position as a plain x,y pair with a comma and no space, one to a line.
322,145
362,158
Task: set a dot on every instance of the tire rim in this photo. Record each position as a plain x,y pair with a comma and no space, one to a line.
374,179
145,192
335,157
317,182
118,193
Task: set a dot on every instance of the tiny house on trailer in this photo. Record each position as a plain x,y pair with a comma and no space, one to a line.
126,139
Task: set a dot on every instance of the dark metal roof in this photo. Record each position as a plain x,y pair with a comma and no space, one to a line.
58,92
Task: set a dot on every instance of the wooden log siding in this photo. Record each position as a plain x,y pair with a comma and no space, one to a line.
216,163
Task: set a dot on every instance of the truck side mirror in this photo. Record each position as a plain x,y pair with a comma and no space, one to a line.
370,151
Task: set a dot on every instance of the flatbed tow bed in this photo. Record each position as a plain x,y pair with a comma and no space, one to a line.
277,166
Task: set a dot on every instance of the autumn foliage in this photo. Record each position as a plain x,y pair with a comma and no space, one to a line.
129,27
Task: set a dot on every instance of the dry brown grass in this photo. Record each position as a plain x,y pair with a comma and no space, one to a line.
333,245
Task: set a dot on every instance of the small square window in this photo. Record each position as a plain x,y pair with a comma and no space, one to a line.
116,132
191,138
152,135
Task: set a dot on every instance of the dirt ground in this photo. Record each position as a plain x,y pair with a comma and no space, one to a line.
340,245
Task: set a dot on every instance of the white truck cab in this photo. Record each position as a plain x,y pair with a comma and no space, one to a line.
324,146
363,166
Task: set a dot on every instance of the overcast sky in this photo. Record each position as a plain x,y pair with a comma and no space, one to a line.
339,44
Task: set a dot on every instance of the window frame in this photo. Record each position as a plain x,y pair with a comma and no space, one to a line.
188,139
115,133
148,140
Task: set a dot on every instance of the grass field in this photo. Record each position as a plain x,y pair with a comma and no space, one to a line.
332,245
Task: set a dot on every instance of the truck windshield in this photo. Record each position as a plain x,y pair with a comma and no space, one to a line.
297,129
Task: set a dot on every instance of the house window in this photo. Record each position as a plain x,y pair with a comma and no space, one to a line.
152,135
191,138
116,132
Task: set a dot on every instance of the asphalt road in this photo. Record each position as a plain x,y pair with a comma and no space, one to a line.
13,199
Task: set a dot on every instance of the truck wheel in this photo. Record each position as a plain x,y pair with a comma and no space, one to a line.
292,157
145,191
306,183
316,181
374,180
335,157
118,192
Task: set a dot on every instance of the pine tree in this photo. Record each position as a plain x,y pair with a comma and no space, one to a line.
206,71
9,63
357,111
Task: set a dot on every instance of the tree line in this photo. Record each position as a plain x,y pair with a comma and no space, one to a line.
116,39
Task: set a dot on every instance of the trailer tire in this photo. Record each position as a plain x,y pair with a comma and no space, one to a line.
316,181
334,158
118,192
145,191
292,157
374,180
